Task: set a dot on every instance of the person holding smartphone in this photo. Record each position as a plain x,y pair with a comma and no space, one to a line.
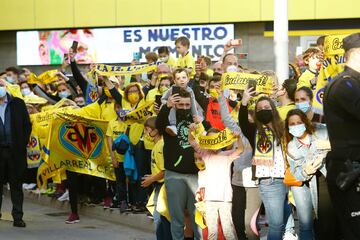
306,149
181,80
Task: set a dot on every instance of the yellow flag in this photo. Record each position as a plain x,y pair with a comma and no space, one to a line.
79,145
332,65
44,78
237,80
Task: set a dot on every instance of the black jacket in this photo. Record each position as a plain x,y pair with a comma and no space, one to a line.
20,134
342,113
177,156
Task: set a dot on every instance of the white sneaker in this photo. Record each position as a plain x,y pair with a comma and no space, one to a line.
290,236
30,186
171,130
25,185
64,197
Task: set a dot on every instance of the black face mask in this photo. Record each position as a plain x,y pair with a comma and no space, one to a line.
264,116
232,103
202,89
182,114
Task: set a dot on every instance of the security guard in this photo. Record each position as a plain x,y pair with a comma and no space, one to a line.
342,113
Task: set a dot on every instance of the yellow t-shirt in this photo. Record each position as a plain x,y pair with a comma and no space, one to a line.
305,79
283,110
115,129
171,62
108,111
157,159
187,62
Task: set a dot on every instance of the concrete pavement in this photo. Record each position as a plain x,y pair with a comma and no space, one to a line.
49,224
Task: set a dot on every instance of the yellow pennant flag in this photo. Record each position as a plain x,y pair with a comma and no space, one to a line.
216,141
239,81
44,78
332,65
108,70
79,145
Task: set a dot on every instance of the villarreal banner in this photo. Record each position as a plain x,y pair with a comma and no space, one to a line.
79,145
44,78
108,70
33,151
239,81
332,65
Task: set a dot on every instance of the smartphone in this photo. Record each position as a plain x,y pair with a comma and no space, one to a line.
74,46
66,56
175,90
252,84
158,100
236,42
136,56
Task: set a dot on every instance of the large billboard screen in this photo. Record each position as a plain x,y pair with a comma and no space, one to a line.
117,45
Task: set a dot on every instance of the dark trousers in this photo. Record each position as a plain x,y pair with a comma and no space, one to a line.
73,186
121,192
346,203
138,194
326,225
17,196
238,211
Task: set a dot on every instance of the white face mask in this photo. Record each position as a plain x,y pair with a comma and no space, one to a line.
25,91
231,68
297,130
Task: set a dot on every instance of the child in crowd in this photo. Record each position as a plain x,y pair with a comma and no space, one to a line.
216,181
157,178
164,57
181,80
312,60
185,59
115,128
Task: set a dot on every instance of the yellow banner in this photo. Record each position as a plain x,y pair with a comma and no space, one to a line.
332,65
44,78
216,141
236,80
79,145
108,70
14,90
140,114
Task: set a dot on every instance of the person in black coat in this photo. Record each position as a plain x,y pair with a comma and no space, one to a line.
15,129
342,115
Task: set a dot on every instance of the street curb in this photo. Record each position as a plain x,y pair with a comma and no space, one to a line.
138,221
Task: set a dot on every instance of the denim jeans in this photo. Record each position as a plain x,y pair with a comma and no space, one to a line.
304,211
180,192
273,193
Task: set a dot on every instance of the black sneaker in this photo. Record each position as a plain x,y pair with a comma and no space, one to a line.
19,223
137,209
124,207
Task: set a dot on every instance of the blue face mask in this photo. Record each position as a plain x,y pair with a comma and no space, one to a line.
9,79
303,106
2,92
297,130
63,94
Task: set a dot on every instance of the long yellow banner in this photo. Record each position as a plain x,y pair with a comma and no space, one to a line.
44,78
236,80
108,70
140,114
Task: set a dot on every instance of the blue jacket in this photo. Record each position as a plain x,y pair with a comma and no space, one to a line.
129,160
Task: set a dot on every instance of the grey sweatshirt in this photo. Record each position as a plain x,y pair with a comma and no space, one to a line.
242,166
